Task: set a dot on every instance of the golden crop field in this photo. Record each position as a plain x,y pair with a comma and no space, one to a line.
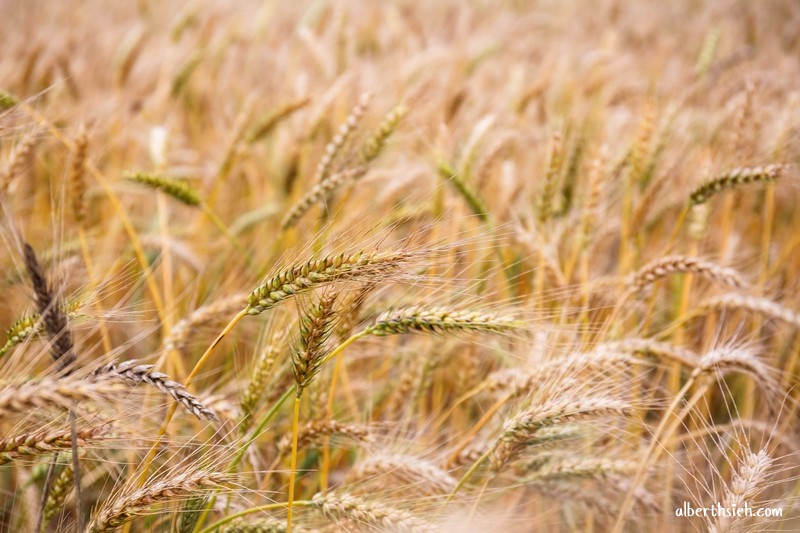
359,265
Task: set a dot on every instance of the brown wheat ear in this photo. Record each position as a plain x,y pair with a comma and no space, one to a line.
52,311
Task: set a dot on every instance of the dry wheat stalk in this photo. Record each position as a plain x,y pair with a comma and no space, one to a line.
370,514
133,373
125,507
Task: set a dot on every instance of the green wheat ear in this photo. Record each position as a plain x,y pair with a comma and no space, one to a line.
735,178
178,189
7,100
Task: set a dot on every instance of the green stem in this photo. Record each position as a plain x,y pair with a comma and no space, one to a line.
243,449
268,507
212,216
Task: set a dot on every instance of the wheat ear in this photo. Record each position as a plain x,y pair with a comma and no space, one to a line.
117,511
133,373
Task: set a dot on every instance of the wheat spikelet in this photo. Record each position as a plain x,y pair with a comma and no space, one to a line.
375,143
185,72
125,507
317,273
319,192
664,350
724,360
269,122
334,147
519,429
546,198
31,325
755,304
679,264
262,371
19,158
474,202
77,179
178,189
594,193
350,310
133,373
420,319
52,312
53,393
269,525
371,514
403,471
735,178
126,55
216,312
315,329
7,99
43,442
312,434
59,491
745,486
577,467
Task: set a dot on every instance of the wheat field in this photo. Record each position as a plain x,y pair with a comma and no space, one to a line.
349,265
